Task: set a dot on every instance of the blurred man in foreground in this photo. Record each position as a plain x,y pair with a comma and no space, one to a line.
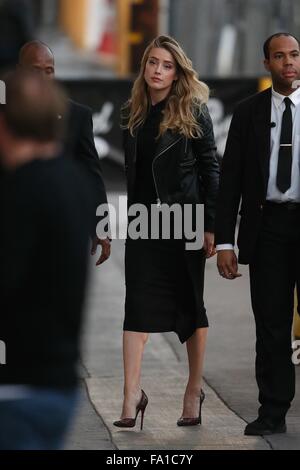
45,215
79,139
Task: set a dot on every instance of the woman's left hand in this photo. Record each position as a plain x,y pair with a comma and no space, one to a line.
209,244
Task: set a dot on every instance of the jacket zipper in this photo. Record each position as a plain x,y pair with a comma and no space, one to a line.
189,163
158,200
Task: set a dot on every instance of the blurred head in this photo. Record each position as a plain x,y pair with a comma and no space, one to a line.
165,68
37,57
282,60
30,117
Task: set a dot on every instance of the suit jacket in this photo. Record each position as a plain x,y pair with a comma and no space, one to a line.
80,145
245,174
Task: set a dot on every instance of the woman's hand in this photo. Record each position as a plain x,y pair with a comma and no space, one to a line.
209,244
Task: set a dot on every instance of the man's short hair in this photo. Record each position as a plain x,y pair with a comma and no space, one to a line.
34,44
266,46
34,107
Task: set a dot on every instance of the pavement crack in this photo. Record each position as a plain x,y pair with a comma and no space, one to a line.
234,411
99,416
84,368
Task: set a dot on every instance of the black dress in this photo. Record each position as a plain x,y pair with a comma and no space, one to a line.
163,291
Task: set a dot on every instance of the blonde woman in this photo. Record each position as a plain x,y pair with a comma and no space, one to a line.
169,158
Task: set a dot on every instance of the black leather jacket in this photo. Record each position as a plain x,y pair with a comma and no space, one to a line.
184,170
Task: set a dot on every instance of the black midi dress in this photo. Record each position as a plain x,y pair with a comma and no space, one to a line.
164,292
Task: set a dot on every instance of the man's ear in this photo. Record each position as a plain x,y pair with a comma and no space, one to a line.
267,65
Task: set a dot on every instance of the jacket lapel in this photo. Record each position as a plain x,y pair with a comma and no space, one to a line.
163,143
262,127
166,141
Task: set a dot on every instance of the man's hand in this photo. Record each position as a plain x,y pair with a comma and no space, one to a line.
209,244
227,264
105,249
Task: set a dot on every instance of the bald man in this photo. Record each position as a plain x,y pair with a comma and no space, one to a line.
37,56
79,144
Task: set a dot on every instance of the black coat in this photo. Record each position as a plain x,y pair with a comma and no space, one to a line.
80,145
245,174
41,295
184,170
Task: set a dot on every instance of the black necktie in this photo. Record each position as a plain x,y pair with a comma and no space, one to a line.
284,167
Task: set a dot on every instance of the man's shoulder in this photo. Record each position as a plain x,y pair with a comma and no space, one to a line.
65,176
254,100
65,195
55,171
63,167
79,108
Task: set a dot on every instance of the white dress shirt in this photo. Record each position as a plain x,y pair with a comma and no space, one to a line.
273,193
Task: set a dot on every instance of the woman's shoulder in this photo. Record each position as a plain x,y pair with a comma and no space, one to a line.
202,116
202,112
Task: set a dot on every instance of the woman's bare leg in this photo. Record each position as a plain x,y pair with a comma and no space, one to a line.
195,346
133,348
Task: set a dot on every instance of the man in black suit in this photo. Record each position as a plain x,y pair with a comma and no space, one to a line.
79,143
261,169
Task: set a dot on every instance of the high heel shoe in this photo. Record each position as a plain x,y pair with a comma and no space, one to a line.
130,422
193,421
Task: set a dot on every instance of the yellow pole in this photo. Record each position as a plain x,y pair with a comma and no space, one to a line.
124,18
296,325
126,37
73,16
263,83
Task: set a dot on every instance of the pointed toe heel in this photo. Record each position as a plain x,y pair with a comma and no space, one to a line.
131,422
193,421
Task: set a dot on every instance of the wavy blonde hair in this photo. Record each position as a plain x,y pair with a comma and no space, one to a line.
185,99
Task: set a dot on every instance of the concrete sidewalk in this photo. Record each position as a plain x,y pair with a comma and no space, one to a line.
231,394
164,378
